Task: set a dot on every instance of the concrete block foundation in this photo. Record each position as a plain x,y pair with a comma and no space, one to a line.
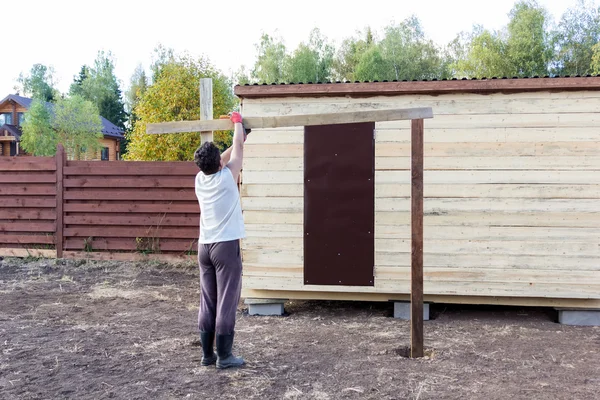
402,310
579,317
265,307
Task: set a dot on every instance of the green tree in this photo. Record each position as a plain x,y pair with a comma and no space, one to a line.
39,83
409,53
242,76
577,33
372,65
38,138
175,96
528,41
78,126
138,85
350,53
270,61
595,64
99,85
312,61
486,56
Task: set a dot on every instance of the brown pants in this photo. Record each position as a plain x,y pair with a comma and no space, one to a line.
221,284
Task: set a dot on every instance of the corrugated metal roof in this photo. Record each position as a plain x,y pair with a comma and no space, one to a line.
423,80
108,128
434,86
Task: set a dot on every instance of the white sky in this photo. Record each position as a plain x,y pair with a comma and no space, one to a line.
66,34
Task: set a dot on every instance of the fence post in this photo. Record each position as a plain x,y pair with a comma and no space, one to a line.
416,290
60,163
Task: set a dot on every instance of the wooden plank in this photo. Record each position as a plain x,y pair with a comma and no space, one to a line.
574,220
486,121
515,289
45,202
490,135
125,168
270,243
23,178
143,220
141,182
449,206
19,189
61,160
473,233
460,163
442,205
362,89
272,150
521,289
445,177
276,136
103,207
442,299
454,104
172,258
274,163
27,164
20,226
416,275
254,230
505,275
131,231
508,247
146,194
454,177
258,190
470,149
43,253
400,190
132,244
292,120
27,213
27,239
433,258
270,217
206,106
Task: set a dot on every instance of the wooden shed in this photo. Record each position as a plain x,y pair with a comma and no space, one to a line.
511,186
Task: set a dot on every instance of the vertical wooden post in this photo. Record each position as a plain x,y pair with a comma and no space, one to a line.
206,106
60,163
416,290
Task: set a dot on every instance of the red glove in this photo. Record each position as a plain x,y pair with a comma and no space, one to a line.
236,117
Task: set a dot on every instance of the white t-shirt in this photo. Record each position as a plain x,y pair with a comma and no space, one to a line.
221,217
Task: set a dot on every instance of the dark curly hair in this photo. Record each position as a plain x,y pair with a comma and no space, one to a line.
208,158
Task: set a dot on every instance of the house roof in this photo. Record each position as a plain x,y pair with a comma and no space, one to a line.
108,128
433,87
12,129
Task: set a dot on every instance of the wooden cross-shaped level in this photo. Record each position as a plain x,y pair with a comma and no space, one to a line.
206,125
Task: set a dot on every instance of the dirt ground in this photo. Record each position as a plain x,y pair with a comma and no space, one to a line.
113,330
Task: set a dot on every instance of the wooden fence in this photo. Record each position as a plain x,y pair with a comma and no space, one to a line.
102,210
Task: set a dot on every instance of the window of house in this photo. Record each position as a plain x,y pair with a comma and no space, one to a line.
21,117
5,118
104,154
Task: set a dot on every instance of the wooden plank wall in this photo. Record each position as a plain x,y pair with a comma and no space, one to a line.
130,207
27,206
512,196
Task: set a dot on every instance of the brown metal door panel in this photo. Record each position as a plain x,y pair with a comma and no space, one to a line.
339,204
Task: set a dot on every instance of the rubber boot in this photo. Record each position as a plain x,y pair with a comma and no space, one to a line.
224,357
208,355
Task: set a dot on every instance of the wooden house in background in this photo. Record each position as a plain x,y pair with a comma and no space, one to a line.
12,112
511,186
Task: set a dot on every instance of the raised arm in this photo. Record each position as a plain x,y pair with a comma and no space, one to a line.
237,149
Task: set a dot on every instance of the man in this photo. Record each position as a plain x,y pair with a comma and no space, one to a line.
221,228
